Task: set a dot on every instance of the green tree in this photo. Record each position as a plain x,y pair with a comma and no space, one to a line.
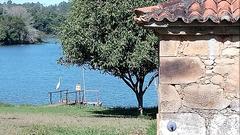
102,35
36,16
1,11
16,26
2,31
16,30
9,2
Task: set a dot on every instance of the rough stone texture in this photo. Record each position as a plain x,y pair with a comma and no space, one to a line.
224,125
224,61
232,84
217,79
204,97
169,48
209,62
177,70
209,72
231,52
201,47
187,124
235,105
202,72
233,41
170,99
225,69
231,91
209,67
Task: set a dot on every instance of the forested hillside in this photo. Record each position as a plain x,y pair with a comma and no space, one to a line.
27,23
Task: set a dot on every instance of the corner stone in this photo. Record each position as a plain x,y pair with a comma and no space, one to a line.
187,124
170,100
224,125
235,105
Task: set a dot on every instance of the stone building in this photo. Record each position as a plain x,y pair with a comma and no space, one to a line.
199,65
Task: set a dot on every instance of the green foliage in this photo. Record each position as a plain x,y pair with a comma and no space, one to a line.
102,35
12,30
2,32
36,16
49,18
9,2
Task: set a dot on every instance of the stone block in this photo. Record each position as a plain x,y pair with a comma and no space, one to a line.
217,79
224,125
202,48
224,61
234,41
233,76
235,105
232,84
186,124
231,52
177,70
209,62
224,69
170,100
231,91
209,67
209,72
169,48
204,97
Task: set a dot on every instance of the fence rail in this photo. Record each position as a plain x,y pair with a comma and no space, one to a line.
60,92
80,97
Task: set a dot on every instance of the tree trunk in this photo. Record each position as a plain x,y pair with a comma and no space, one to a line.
140,102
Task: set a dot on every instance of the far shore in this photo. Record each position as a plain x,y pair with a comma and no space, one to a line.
44,39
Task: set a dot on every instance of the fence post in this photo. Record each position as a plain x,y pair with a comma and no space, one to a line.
50,97
67,97
60,96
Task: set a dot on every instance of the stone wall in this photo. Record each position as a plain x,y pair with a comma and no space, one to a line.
199,85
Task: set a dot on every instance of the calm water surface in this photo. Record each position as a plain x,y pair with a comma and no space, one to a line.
29,72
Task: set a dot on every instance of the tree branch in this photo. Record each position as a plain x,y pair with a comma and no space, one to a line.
150,82
128,83
130,79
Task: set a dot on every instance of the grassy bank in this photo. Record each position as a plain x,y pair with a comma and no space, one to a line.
75,120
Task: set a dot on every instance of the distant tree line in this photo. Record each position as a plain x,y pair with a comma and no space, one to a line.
27,23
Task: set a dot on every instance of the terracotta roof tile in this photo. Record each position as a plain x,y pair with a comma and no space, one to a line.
210,4
195,7
190,10
235,6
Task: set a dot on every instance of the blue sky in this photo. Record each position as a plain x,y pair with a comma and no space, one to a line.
44,2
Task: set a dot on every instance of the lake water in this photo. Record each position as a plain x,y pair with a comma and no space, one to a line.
29,72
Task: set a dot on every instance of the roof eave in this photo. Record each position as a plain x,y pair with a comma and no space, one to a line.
195,28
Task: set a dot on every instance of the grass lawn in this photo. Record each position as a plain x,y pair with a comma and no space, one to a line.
75,120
